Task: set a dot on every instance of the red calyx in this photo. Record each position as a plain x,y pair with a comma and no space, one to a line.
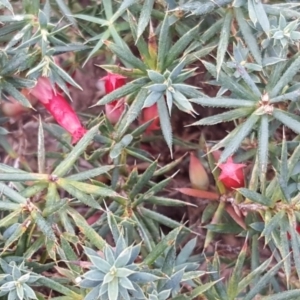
232,175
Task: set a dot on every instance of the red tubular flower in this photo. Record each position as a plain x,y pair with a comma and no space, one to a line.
115,108
59,108
148,114
232,175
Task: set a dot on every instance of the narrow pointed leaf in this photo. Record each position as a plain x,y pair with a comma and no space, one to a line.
225,117
236,140
287,120
144,17
41,148
255,197
264,280
224,40
229,82
286,78
263,148
165,123
248,35
69,161
86,229
166,242
163,43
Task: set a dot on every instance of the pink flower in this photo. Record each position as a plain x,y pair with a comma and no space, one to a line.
115,108
232,175
150,113
59,108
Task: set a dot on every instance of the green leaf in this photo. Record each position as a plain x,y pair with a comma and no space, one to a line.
12,194
292,96
144,17
278,10
237,273
286,119
192,57
10,218
224,117
122,8
143,180
66,11
165,123
118,148
242,132
282,178
70,255
286,78
126,55
272,224
181,44
163,43
91,19
294,158
55,207
255,197
143,232
5,205
248,79
133,111
82,196
292,294
294,242
125,90
66,165
64,75
264,280
163,201
56,286
82,176
229,83
150,214
224,40
159,249
113,225
41,148
250,278
23,176
102,37
248,35
91,189
263,148
11,90
43,225
215,274
19,230
86,229
257,13
202,8
139,42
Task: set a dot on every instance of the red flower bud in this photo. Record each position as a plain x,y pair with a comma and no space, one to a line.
115,108
150,113
198,175
232,175
59,108
113,82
